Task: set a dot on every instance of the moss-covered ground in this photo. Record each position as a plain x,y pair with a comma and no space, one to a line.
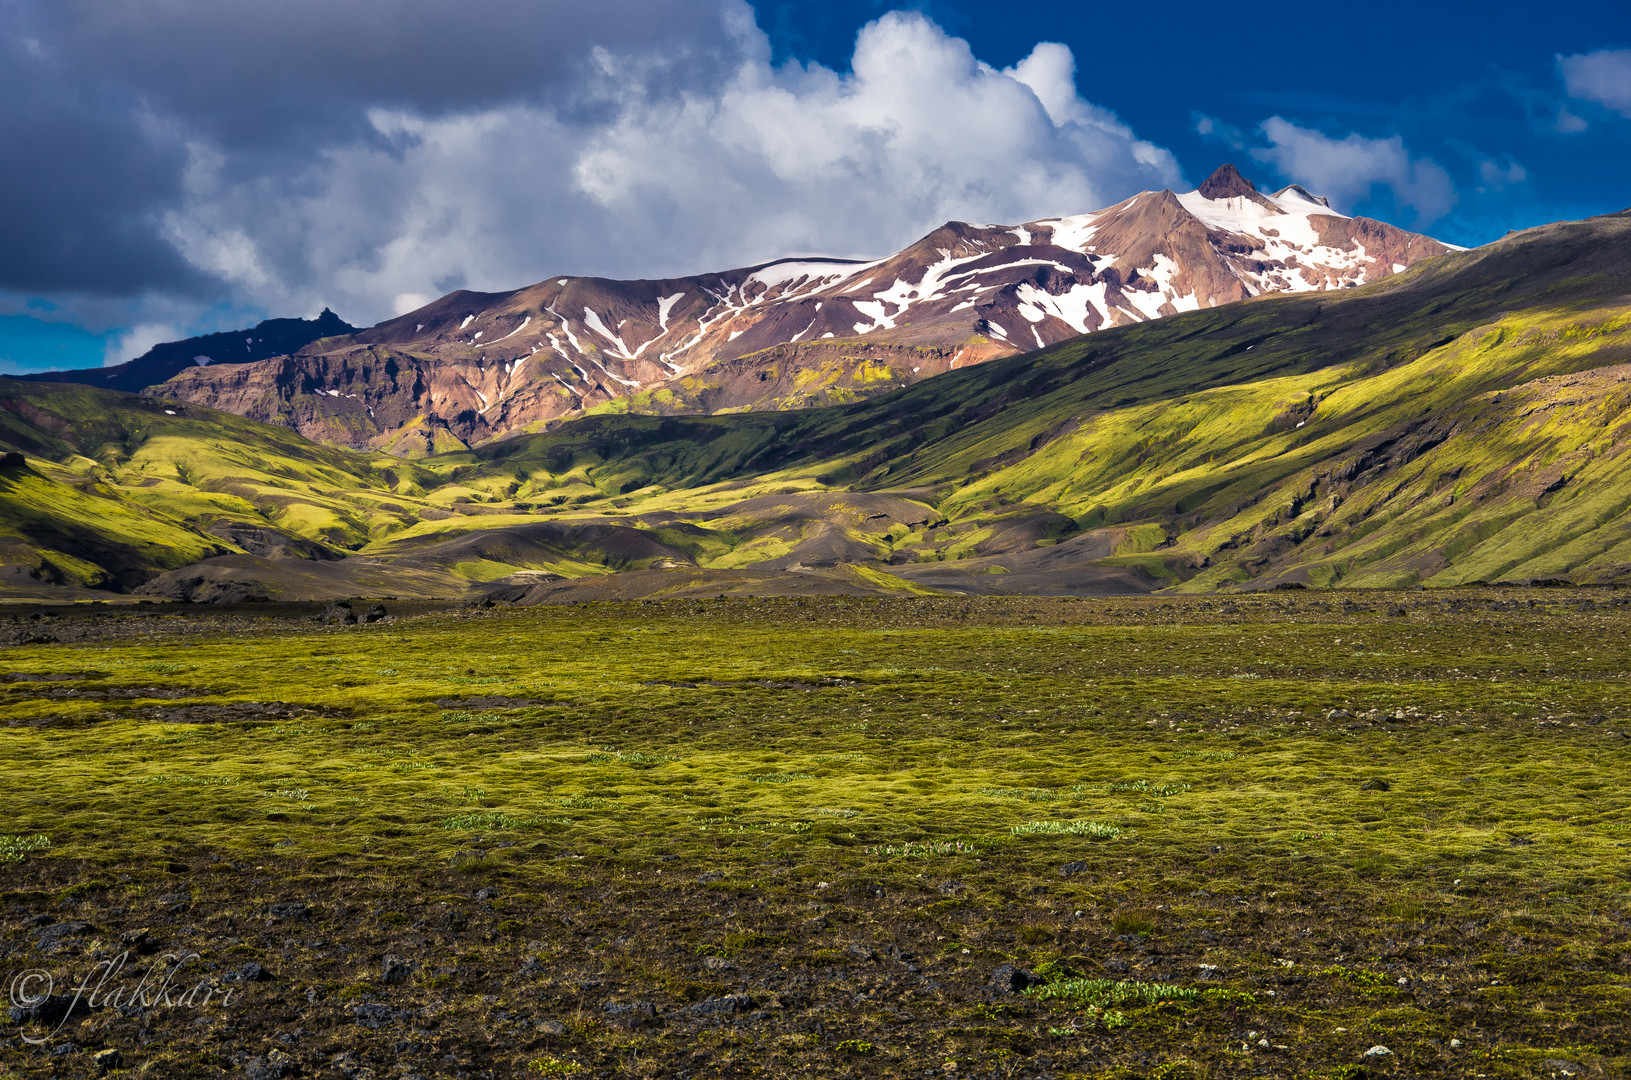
1226,837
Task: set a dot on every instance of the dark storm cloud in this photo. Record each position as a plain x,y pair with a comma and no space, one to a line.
79,181
248,72
103,100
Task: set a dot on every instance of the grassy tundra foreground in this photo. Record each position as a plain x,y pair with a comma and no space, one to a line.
1162,837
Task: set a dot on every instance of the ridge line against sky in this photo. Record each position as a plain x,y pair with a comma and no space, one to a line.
183,166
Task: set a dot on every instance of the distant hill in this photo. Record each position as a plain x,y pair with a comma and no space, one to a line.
274,337
1463,421
472,367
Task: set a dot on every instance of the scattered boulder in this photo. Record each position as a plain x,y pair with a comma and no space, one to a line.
51,1011
394,970
630,1014
1077,867
373,1015
139,941
1376,783
351,613
729,1005
1378,1052
339,613
274,1066
1009,979
107,1060
52,936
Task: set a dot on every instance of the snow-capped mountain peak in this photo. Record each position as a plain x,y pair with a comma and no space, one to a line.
963,294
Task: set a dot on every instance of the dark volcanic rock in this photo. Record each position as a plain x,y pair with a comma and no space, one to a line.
630,1014
1009,979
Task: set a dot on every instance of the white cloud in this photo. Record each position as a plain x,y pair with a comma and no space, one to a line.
138,339
1603,77
1567,123
1348,169
752,163
1210,127
1496,176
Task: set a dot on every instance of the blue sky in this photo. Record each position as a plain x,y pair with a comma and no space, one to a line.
1462,83
196,167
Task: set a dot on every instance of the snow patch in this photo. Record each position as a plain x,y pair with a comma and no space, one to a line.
1069,307
1072,233
466,322
201,361
665,304
816,271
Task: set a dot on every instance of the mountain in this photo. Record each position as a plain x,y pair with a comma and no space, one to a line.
1458,422
472,367
272,337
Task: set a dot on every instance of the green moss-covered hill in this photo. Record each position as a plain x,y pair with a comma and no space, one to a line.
1460,422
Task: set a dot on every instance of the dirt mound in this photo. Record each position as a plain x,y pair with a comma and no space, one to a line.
232,579
695,583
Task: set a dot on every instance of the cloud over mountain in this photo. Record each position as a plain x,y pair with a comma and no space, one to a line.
1348,168
369,154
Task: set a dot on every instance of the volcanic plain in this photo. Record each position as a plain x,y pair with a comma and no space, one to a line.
1289,834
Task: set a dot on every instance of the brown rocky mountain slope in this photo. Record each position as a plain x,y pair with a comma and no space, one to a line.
471,367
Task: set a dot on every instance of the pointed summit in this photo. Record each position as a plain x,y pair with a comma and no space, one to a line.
1227,183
